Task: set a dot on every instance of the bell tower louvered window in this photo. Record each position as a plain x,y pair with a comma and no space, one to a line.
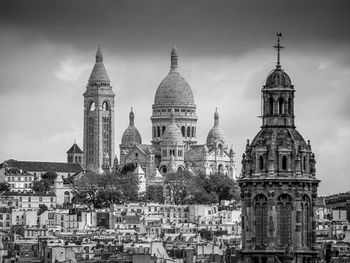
260,207
284,220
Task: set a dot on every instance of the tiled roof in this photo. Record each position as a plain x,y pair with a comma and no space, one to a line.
99,73
74,149
44,166
195,153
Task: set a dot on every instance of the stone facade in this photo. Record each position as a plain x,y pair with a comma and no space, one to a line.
278,182
98,146
174,144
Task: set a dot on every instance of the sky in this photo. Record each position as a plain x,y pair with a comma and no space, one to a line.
47,52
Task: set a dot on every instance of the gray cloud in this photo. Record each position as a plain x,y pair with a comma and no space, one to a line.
47,52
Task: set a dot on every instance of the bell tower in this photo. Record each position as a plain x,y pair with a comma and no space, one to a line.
98,119
278,182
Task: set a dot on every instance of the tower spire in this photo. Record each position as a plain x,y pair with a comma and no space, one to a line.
173,58
278,47
131,117
99,55
216,117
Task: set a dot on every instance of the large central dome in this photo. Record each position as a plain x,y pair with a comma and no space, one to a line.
174,89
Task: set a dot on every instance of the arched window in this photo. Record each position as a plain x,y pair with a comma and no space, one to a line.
271,106
92,106
306,220
183,131
163,169
284,163
280,106
188,131
221,169
158,131
76,159
261,162
163,130
221,150
180,169
260,210
105,106
79,159
284,220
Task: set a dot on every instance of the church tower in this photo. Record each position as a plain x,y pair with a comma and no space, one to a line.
98,119
278,181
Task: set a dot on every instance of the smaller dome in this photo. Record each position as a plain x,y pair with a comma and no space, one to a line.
278,78
172,133
216,133
131,135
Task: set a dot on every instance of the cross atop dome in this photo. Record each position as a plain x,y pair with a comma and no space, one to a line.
278,47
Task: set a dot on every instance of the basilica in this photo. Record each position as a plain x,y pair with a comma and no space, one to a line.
174,145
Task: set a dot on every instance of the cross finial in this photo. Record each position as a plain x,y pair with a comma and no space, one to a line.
279,47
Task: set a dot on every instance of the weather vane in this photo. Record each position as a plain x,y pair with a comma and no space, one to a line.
279,47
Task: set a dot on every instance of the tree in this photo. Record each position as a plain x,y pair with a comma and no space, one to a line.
44,185
41,186
4,187
85,189
101,190
185,188
225,187
155,194
42,209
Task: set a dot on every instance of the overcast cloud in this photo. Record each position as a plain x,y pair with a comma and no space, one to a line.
47,51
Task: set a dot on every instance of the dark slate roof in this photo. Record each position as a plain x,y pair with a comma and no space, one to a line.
195,153
74,149
44,166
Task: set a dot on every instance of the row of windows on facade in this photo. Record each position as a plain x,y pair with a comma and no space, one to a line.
280,106
24,186
159,131
76,159
220,169
105,106
154,209
172,152
19,178
30,205
29,199
284,162
284,210
184,111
